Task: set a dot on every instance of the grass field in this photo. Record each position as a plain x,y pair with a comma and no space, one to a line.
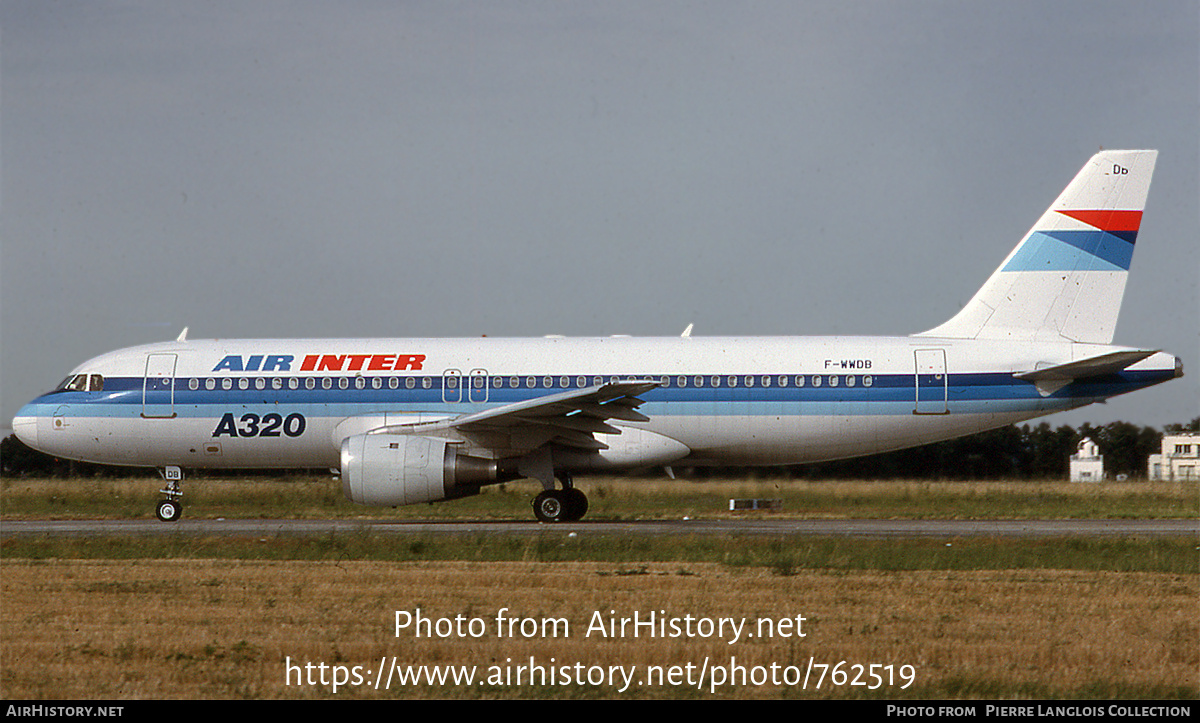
185,617
613,498
230,628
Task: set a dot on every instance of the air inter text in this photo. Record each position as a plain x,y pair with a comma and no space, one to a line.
322,363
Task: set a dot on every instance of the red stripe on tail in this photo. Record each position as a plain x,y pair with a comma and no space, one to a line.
1110,221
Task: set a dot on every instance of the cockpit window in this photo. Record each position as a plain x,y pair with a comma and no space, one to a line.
82,383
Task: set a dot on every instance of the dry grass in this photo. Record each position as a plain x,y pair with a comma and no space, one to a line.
184,627
216,628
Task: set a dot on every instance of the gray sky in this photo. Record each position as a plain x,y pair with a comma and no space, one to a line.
291,169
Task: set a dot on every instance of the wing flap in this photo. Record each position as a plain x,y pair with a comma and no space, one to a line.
576,422
616,409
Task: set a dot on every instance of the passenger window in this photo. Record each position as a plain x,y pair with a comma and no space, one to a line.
227,383
799,380
410,382
868,380
210,383
193,384
243,383
716,380
327,382
310,383
426,383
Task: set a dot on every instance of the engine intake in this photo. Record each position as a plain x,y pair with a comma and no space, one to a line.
401,469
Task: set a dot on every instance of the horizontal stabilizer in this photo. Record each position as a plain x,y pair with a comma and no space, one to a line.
1051,379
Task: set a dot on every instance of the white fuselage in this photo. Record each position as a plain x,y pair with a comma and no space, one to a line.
746,400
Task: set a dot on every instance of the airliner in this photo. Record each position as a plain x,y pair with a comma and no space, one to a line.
420,420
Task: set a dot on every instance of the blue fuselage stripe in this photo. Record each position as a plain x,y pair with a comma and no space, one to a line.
886,394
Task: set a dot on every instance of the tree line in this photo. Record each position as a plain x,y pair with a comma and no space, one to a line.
1012,452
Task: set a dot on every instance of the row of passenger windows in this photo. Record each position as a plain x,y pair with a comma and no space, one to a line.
528,382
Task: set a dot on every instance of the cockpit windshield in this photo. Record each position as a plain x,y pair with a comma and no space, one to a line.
82,383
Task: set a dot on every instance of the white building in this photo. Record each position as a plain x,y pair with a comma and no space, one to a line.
1087,464
1180,458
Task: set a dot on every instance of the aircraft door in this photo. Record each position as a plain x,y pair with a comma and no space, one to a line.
452,386
478,391
932,382
158,387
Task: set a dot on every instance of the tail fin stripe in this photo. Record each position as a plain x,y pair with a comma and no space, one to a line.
1067,251
1113,222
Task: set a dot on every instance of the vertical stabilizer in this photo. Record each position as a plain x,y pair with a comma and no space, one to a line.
1065,280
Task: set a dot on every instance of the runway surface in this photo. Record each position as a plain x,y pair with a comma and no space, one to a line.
822,528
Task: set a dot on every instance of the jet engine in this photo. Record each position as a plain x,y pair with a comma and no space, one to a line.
401,469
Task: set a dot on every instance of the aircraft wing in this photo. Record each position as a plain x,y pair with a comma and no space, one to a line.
567,418
1050,379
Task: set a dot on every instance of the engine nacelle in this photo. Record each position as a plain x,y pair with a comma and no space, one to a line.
402,469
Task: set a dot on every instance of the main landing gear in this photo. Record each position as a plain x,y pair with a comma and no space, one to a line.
566,505
170,508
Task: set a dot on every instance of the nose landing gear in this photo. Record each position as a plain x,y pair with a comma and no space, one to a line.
171,508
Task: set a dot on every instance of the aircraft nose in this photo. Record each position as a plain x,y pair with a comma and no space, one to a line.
25,427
